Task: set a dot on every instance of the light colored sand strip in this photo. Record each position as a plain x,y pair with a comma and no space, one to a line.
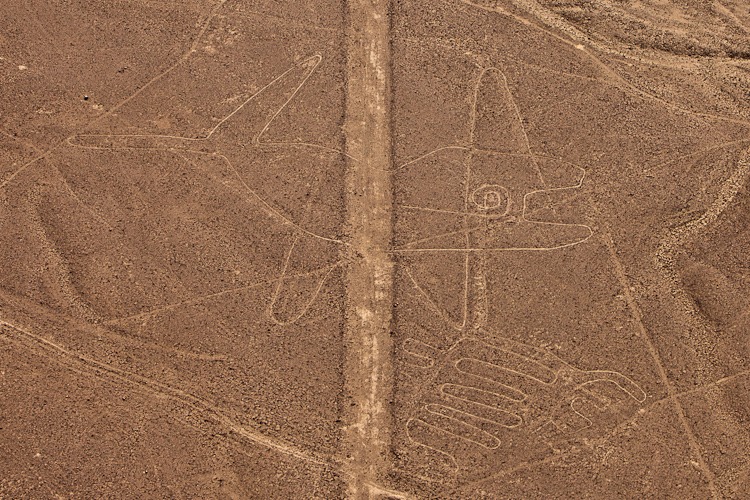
369,286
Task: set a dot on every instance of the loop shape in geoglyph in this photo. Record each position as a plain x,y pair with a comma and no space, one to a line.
490,406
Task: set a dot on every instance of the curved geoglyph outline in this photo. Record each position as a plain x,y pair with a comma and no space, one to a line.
188,145
516,400
558,28
472,148
470,216
554,21
525,214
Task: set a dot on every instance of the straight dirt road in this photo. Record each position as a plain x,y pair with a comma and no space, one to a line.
369,284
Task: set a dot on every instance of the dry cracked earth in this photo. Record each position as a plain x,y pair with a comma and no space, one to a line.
374,249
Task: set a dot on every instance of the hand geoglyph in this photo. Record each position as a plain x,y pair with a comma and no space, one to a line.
487,404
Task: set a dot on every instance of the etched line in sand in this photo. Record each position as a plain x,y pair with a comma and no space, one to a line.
157,141
212,139
233,140
142,316
91,367
369,281
497,396
659,364
523,217
184,57
501,178
557,27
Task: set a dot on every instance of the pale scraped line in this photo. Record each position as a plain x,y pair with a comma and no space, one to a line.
570,35
382,491
659,364
91,366
201,298
193,47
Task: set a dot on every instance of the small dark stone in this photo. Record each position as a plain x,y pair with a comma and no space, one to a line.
85,98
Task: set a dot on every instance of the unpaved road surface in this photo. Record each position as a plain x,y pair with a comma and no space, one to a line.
374,249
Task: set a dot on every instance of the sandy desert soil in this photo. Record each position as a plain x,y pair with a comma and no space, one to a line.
374,249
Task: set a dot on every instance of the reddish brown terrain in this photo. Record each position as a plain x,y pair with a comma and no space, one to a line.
374,249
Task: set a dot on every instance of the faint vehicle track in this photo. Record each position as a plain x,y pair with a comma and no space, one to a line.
87,366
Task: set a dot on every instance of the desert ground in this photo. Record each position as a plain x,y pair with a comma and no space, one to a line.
374,249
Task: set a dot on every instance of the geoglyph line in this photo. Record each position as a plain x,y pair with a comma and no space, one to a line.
91,367
205,22
548,22
670,245
462,409
201,298
635,310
